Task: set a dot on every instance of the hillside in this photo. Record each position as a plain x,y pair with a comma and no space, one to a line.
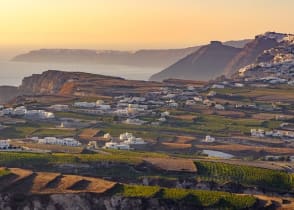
250,53
205,64
216,59
274,65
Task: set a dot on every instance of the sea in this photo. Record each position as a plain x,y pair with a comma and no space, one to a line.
12,73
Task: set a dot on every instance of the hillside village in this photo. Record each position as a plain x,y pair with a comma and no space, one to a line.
231,134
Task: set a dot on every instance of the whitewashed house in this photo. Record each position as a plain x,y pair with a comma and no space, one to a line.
19,111
130,121
59,107
198,99
85,104
99,102
135,141
41,114
219,107
211,94
257,132
165,114
65,141
107,136
118,146
125,136
4,144
217,86
209,139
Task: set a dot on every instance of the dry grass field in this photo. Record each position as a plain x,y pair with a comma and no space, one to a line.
172,164
175,146
185,139
184,117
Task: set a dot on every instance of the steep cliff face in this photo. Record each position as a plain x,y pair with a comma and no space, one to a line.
82,84
250,53
87,201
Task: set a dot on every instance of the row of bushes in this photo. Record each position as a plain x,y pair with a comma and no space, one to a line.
248,175
199,198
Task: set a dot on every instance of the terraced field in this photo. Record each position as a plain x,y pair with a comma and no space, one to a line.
26,181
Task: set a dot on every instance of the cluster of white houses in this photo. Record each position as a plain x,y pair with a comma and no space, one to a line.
99,104
58,141
22,111
126,140
275,133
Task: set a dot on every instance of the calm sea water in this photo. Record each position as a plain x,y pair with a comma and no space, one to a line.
12,73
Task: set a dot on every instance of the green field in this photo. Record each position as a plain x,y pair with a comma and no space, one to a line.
200,198
247,175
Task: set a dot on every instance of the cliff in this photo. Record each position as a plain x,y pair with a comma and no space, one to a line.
250,53
82,84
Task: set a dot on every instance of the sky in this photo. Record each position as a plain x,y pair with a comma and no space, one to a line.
135,24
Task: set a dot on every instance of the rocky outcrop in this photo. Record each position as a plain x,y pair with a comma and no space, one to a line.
207,63
250,53
87,201
82,84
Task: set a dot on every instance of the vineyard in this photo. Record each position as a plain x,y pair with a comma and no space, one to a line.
197,197
247,175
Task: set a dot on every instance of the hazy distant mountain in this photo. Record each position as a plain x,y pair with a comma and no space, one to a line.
160,58
207,63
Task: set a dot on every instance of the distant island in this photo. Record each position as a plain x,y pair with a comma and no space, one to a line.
160,58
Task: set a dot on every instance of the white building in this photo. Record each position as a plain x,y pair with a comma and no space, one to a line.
85,104
198,99
134,121
257,132
114,145
162,119
65,141
19,111
217,86
4,144
59,107
165,114
99,102
7,111
103,107
238,85
125,136
209,139
219,107
190,103
107,136
211,94
135,141
39,114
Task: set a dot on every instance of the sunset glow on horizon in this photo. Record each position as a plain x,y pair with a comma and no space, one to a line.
133,24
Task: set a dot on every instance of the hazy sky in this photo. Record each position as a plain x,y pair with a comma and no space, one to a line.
132,24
